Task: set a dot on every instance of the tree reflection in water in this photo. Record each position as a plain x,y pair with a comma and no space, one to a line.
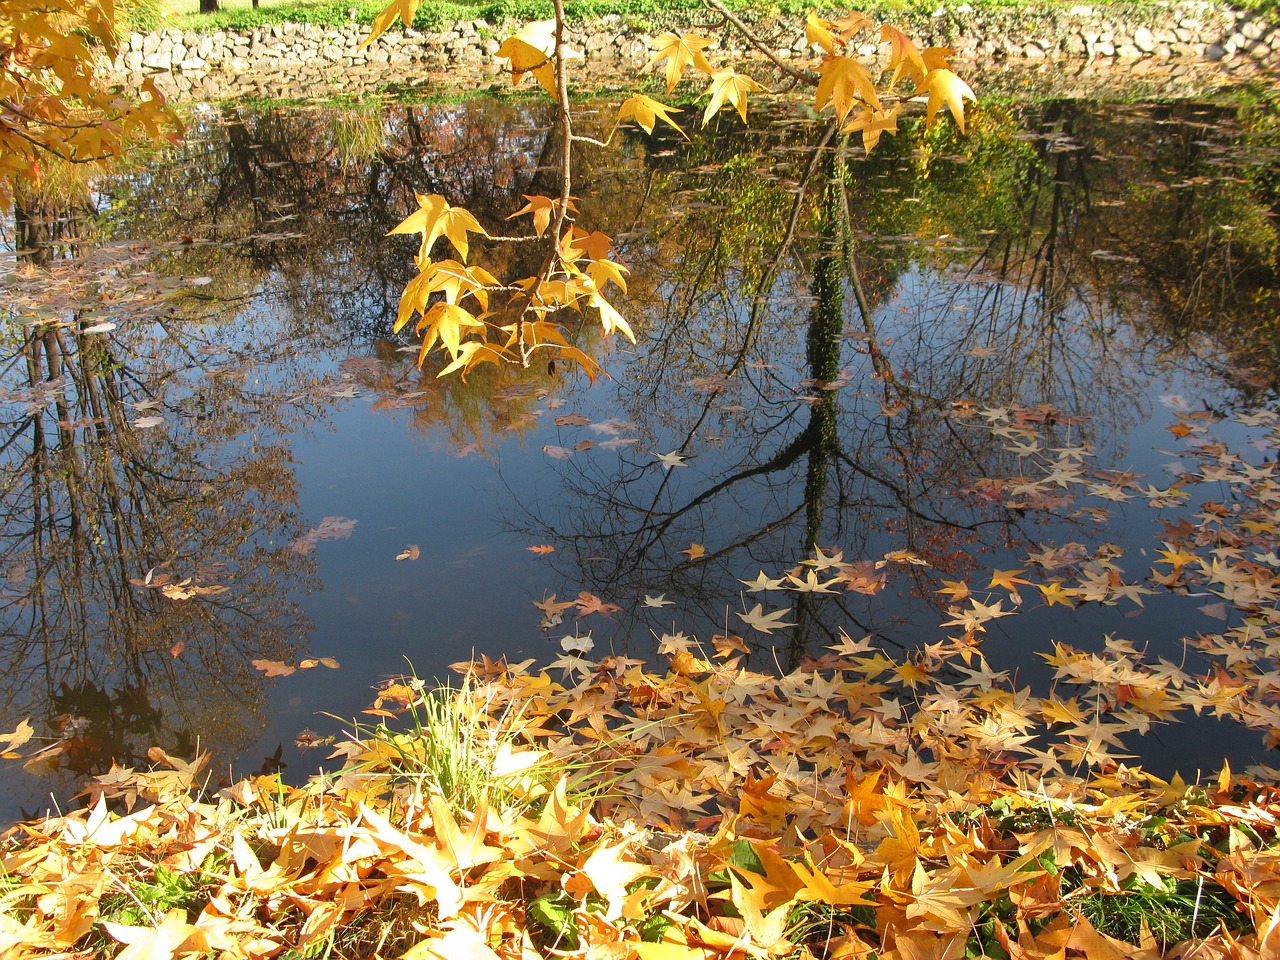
145,566
810,318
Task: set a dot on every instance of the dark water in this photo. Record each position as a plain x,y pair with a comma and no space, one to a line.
808,320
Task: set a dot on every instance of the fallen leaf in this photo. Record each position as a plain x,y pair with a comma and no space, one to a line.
408,553
273,668
765,622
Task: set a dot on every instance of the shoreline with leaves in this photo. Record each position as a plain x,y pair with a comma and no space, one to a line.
922,805
860,805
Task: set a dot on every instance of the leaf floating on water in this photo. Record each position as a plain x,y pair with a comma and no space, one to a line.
409,553
541,549
144,423
308,739
618,442
659,601
577,644
1219,611
20,735
557,453
695,551
765,622
671,459
176,650
105,327
330,528
571,420
273,668
613,426
590,603
584,445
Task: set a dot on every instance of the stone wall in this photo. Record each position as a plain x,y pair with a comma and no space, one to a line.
294,60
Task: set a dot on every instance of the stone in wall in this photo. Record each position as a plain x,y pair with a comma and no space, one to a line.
285,56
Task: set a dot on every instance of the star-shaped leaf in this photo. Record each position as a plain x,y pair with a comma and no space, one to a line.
903,55
646,112
872,123
844,83
532,50
765,622
728,86
435,218
946,88
404,9
680,52
543,209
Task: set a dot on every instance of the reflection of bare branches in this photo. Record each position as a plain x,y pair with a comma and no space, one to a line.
139,583
1025,326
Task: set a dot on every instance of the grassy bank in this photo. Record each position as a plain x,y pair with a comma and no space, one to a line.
150,14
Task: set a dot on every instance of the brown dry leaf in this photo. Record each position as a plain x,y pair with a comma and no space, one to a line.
273,668
409,553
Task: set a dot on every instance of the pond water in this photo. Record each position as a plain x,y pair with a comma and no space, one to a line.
219,466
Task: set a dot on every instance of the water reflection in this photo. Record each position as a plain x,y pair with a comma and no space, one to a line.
822,324
147,493
817,326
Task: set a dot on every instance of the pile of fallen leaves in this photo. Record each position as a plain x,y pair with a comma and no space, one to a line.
810,840
863,805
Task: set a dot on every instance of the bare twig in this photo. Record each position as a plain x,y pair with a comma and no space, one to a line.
803,76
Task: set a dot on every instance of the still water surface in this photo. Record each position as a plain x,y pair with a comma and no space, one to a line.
215,453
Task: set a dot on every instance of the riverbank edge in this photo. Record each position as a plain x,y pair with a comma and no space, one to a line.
302,61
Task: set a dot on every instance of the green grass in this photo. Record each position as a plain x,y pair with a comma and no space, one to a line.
149,14
446,747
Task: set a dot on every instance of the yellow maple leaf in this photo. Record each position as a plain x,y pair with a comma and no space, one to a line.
680,52
610,318
435,218
728,86
170,937
472,353
444,322
899,852
611,875
404,9
542,209
946,88
820,31
646,112
903,55
533,50
872,123
843,83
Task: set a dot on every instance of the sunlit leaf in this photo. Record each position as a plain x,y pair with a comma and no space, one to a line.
646,112
680,52
435,218
844,83
946,88
728,86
